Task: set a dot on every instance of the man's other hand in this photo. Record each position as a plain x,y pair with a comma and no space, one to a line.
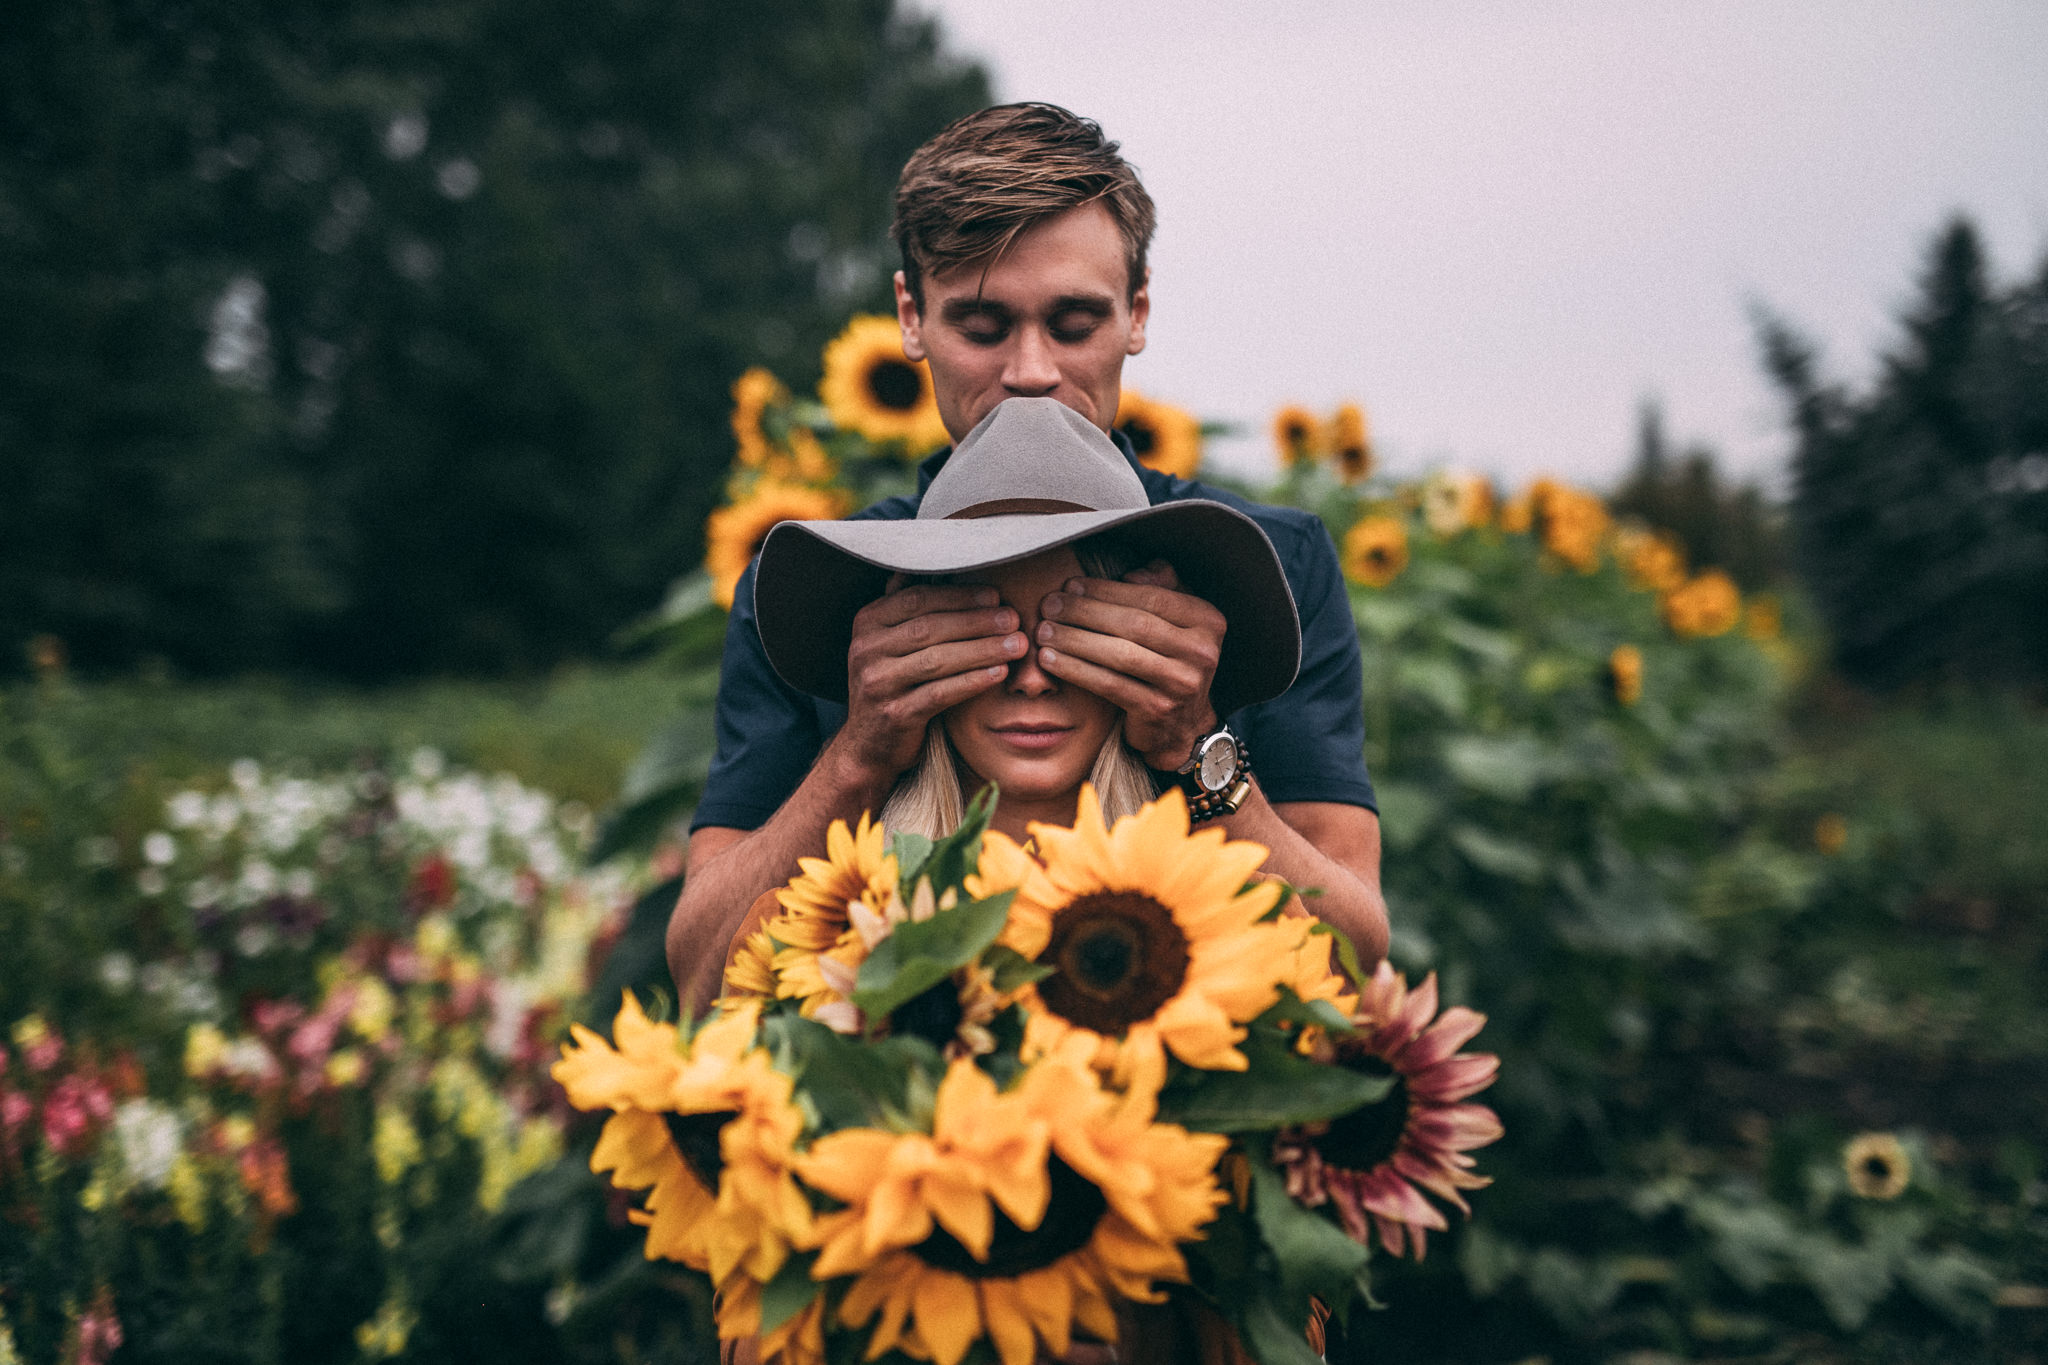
917,651
1144,644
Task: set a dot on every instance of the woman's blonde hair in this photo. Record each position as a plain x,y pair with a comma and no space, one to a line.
929,799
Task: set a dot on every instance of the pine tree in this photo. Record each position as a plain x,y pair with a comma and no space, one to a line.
1920,507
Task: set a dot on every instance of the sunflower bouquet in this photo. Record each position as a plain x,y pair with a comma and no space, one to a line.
966,1100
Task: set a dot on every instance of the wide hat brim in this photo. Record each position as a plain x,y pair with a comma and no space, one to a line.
814,576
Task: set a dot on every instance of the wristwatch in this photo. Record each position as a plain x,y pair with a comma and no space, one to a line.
1217,777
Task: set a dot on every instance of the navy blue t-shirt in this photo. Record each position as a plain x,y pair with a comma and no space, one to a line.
1307,744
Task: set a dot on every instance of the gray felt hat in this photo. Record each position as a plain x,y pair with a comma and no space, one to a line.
1033,475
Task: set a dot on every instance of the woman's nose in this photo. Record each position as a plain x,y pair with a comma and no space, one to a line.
1027,679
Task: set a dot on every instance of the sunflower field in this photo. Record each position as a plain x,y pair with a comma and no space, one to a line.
275,1040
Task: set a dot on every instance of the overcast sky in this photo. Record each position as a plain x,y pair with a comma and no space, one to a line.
1501,225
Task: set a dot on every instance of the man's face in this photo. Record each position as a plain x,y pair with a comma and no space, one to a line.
1052,317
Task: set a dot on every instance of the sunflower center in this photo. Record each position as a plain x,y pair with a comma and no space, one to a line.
932,1015
696,1139
895,384
1070,1218
1142,437
1877,1168
1117,957
1364,1138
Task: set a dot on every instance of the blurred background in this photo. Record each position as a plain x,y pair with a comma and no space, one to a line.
373,451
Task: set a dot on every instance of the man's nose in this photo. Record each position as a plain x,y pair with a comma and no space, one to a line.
1031,371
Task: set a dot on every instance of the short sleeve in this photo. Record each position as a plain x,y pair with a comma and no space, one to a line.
1308,743
768,732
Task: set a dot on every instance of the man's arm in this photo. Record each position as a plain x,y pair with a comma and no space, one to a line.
915,653
1152,649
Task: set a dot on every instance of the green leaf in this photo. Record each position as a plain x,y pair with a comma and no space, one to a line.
1314,1254
1347,954
783,1297
1292,1009
1509,768
920,954
882,1083
1270,1336
959,853
1012,970
1406,813
1502,857
1279,1088
912,851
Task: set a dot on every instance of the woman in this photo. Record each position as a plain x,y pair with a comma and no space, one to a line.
1032,499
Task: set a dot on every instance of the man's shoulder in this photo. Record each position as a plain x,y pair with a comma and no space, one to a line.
1289,528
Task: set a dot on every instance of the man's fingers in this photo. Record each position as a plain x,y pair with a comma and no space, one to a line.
931,629
1180,677
899,604
1168,603
884,675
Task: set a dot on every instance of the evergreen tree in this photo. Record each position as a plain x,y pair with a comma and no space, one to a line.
1920,507
1728,527
396,335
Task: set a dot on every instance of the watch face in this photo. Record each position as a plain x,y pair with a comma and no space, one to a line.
1219,763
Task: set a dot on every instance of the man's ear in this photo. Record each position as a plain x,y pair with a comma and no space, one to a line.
1141,310
909,319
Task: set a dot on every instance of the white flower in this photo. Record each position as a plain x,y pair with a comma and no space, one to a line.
427,764
203,892
149,1136
245,773
159,848
298,883
117,971
248,1058
254,940
186,809
151,881
259,879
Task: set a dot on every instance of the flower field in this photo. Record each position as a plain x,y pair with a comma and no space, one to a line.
1773,1059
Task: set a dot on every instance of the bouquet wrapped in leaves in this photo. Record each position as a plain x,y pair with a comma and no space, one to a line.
966,1100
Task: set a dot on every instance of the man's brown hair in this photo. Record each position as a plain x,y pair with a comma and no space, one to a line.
966,195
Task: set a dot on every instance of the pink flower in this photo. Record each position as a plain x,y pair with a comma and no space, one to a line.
44,1051
15,1110
75,1105
99,1331
275,1016
1373,1165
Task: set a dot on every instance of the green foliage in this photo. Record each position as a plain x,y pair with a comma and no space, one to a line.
374,340
1920,506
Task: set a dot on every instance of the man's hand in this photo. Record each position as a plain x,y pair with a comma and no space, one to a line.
1145,645
915,652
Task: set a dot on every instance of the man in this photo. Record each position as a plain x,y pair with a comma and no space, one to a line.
1024,237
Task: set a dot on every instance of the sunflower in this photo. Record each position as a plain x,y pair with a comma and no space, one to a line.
815,916
1376,550
1573,525
1625,674
1877,1166
712,1114
953,1015
1831,833
753,393
1518,514
1708,605
1297,435
1653,560
1351,443
1155,939
1454,501
733,534
870,387
1764,619
798,1341
1373,1164
1164,437
1020,1215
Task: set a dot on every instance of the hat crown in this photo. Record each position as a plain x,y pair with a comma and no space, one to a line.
1032,450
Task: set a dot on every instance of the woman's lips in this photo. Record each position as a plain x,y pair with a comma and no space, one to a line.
1033,738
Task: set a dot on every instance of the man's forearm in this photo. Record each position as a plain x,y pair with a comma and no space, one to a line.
729,869
1333,848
